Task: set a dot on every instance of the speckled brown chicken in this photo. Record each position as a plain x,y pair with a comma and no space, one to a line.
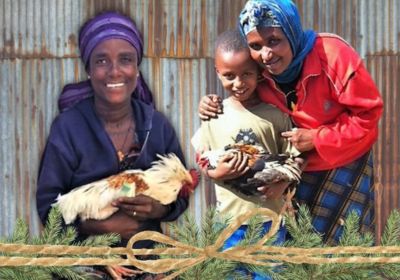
167,178
265,168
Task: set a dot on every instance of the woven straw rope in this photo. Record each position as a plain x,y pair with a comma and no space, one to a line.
257,254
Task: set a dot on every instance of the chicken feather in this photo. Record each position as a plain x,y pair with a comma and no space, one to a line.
162,181
265,168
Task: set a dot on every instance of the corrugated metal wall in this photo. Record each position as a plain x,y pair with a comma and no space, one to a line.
38,54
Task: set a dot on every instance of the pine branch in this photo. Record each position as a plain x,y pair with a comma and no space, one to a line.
391,234
188,236
67,273
303,236
302,232
23,273
391,237
20,234
211,227
254,233
351,235
100,240
188,232
53,228
254,230
54,233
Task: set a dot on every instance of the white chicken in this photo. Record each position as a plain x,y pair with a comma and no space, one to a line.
166,178
265,168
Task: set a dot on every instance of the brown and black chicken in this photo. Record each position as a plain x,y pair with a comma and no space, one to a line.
265,168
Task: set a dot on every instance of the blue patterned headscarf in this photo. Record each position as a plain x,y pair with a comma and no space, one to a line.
283,14
109,25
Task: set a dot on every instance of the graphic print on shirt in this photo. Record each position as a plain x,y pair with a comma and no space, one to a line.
246,136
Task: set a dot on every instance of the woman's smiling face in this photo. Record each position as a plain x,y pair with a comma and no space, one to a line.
113,71
270,48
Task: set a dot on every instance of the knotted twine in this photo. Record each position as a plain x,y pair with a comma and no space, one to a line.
189,256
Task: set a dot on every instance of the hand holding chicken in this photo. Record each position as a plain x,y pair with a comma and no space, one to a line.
98,200
261,168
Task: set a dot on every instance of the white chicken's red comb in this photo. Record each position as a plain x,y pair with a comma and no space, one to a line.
187,189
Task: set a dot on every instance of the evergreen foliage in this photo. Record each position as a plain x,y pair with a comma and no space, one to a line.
189,233
212,225
303,236
54,233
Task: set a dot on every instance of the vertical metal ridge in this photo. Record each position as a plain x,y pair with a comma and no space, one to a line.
385,69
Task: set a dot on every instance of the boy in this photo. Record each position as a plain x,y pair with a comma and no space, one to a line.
246,120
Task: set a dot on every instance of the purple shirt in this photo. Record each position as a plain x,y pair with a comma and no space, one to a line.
79,151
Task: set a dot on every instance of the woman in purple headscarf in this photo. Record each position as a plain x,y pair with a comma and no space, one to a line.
108,124
323,85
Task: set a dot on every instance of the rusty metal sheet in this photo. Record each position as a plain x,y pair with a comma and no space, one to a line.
386,70
173,28
29,92
29,104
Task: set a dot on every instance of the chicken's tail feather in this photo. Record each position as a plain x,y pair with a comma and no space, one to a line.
90,198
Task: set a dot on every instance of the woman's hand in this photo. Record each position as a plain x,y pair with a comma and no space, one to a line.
274,191
229,167
141,207
301,138
118,272
121,223
210,106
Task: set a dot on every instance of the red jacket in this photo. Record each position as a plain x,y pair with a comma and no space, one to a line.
337,96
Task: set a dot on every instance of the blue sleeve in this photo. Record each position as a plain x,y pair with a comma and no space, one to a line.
55,172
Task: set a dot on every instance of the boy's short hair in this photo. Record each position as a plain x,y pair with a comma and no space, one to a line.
231,40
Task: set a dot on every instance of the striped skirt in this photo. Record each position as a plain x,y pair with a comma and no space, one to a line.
331,195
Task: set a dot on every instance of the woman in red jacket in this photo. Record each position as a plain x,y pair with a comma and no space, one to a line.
321,82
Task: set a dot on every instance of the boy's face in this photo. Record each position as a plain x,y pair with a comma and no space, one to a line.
237,72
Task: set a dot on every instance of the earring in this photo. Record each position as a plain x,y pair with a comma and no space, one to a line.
88,76
137,75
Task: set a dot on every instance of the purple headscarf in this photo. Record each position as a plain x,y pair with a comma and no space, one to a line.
109,25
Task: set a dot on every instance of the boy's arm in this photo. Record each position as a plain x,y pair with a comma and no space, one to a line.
229,167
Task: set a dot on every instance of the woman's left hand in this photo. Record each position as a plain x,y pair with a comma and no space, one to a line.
118,272
142,207
301,138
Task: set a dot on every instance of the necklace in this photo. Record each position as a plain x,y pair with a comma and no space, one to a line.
289,92
120,134
120,150
291,99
